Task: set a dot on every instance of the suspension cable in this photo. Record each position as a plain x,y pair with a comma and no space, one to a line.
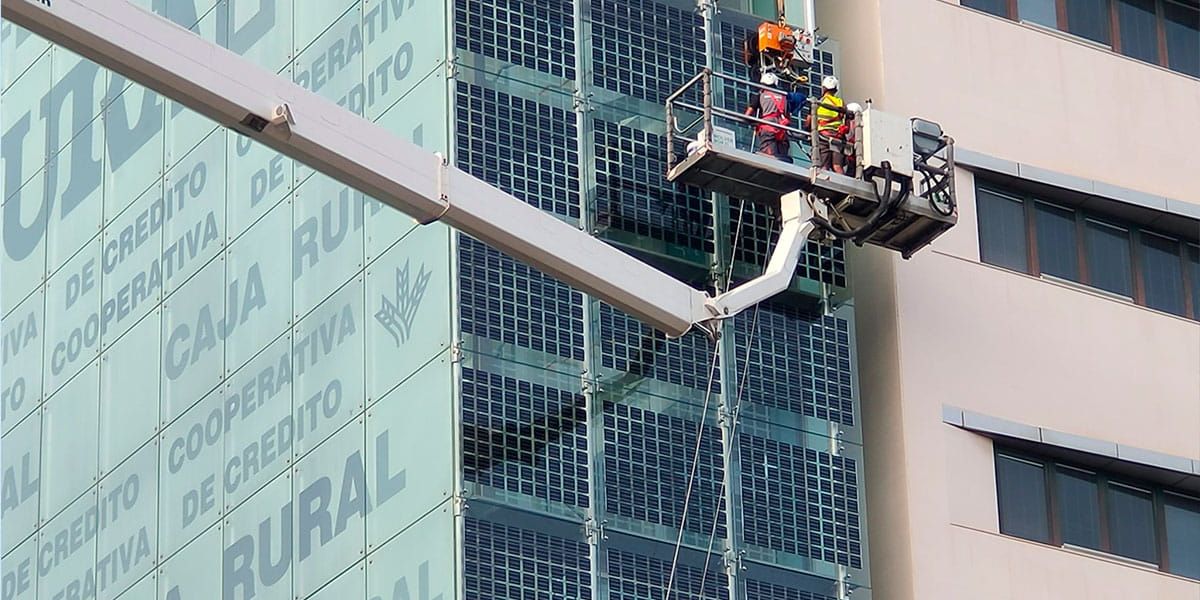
700,427
687,496
734,418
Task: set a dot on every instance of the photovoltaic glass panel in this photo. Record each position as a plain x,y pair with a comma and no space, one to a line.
730,62
538,34
647,460
760,230
628,345
800,501
635,577
645,49
759,590
525,148
509,563
633,195
798,361
524,437
506,301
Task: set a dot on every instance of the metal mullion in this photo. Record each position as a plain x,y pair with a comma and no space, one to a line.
1034,266
1139,277
1081,248
1061,10
1191,304
1013,11
1050,472
1102,509
1185,279
1160,19
1158,500
1114,26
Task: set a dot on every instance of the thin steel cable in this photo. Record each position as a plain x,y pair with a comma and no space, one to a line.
687,497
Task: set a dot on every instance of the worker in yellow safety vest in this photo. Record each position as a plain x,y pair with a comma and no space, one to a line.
830,115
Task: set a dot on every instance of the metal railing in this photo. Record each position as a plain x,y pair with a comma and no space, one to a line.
933,170
707,111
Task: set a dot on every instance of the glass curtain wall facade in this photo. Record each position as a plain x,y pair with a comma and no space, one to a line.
226,376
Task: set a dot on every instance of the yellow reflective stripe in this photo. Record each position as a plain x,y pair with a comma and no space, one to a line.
827,118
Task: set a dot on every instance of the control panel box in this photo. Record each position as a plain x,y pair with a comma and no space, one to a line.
887,138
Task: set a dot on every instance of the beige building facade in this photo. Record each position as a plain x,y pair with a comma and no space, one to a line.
1031,383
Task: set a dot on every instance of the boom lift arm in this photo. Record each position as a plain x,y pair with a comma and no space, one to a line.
240,95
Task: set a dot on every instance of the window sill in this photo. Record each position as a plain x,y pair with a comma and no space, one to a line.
1083,287
1133,562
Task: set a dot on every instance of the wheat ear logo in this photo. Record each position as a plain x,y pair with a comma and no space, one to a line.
398,314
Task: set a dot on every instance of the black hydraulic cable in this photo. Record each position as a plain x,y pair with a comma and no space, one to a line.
886,202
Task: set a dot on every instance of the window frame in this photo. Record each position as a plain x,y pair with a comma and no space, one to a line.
1033,267
1013,13
1051,467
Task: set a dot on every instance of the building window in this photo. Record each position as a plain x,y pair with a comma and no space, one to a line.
1021,486
1182,31
1078,507
1161,32
1089,19
1042,12
1163,273
1182,516
1109,245
1002,230
995,7
1098,511
1031,235
1137,21
1057,244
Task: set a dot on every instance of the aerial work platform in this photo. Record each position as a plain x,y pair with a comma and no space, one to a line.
364,155
919,194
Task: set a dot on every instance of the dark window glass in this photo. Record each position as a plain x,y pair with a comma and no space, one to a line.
1058,247
1002,231
1078,508
1183,535
1193,254
1139,29
1161,273
1131,523
996,7
1021,487
1182,24
1042,12
1109,265
1090,19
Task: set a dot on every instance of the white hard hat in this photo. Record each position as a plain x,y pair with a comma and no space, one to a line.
830,83
769,79
854,107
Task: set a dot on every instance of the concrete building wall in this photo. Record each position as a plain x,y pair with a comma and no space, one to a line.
944,329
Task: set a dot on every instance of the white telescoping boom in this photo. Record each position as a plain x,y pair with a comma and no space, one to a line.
238,94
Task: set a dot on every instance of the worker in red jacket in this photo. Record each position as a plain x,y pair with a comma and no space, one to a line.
775,107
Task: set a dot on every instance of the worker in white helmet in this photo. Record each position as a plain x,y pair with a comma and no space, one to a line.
776,107
830,116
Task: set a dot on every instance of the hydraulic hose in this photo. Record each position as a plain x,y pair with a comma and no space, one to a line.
886,203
